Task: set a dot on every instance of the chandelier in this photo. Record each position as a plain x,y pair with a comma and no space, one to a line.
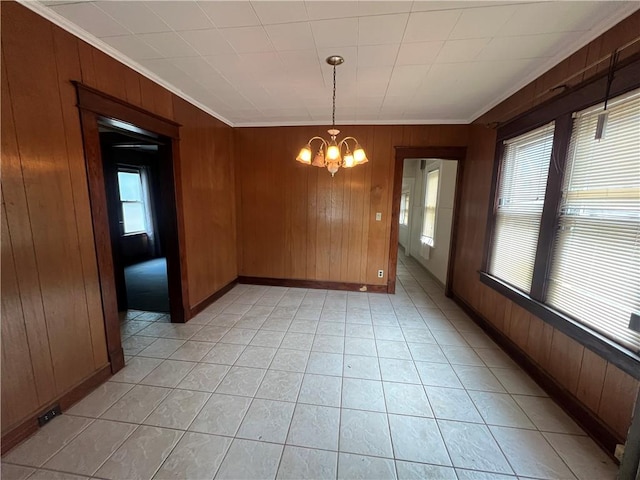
333,154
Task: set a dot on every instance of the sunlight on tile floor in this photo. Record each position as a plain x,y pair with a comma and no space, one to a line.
273,382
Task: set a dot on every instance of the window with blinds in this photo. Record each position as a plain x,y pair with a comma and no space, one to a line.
430,207
595,270
521,190
404,208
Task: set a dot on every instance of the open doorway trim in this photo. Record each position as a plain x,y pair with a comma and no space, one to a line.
402,153
94,105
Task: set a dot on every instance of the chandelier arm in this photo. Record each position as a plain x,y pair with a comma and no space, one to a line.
322,140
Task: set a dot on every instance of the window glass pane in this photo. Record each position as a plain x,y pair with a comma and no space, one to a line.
595,272
133,216
130,187
431,200
521,191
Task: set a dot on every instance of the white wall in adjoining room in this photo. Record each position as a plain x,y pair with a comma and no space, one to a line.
437,259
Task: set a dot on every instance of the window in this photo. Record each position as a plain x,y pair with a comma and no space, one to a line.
566,226
132,201
595,272
521,188
404,208
430,207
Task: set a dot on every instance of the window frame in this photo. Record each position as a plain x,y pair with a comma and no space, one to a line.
137,171
423,237
405,200
559,109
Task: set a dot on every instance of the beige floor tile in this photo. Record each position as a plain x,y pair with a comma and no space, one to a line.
363,394
221,415
178,409
420,471
530,455
304,463
361,467
136,369
141,455
15,472
98,401
586,460
247,459
406,399
267,421
85,453
192,351
42,445
196,456
168,374
547,415
500,409
280,385
136,405
315,427
470,445
224,354
417,439
365,433
241,381
204,377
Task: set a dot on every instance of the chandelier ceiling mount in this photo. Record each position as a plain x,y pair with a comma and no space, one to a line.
333,154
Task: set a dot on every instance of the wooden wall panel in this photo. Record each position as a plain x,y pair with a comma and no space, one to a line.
17,370
312,226
52,320
207,176
601,387
35,99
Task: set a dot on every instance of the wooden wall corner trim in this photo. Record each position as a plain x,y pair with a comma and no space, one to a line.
319,284
26,428
602,434
200,306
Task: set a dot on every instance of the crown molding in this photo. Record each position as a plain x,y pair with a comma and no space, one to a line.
590,35
92,40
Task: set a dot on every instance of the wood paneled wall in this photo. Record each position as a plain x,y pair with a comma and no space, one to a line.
604,389
296,222
52,324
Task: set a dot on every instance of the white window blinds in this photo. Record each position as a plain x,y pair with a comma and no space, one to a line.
430,206
595,272
521,189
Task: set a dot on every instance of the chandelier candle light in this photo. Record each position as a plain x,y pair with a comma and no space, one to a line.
330,152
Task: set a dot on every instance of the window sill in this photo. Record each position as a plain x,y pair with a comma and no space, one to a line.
134,234
621,357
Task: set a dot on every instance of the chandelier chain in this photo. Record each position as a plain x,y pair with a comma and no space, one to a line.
333,117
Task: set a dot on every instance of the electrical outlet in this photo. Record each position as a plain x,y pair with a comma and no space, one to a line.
48,415
380,273
378,216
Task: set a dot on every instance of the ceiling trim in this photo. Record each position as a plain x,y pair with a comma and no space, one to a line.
351,123
590,35
75,30
82,34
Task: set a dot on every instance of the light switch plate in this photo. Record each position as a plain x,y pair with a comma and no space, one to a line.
378,216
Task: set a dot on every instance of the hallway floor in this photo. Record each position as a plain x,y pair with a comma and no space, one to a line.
292,383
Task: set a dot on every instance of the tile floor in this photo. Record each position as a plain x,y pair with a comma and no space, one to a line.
290,383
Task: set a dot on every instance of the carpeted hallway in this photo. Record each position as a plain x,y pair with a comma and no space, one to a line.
147,287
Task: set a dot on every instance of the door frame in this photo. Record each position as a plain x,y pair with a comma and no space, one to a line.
94,105
402,153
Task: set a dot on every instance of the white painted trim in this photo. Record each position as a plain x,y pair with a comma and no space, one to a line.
72,28
82,34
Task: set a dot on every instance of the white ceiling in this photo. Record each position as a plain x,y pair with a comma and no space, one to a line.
263,62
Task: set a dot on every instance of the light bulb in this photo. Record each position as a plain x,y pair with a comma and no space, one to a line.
349,160
305,155
333,152
333,168
359,155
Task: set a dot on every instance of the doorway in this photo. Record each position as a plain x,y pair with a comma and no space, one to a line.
131,172
426,192
132,156
426,214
